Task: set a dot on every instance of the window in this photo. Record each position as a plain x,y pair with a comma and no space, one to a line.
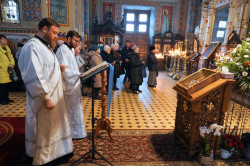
220,34
222,24
10,12
142,28
130,27
143,17
130,17
137,21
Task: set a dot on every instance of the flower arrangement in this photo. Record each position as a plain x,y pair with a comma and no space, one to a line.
238,62
231,143
208,144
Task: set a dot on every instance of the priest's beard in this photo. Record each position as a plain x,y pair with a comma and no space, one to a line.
71,44
51,41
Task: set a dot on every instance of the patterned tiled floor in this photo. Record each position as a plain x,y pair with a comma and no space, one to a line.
154,108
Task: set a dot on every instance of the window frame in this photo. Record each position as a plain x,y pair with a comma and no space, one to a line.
137,21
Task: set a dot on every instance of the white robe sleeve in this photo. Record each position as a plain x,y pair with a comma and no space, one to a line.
80,62
31,67
70,76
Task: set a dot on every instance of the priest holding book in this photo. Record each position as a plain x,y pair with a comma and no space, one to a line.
72,86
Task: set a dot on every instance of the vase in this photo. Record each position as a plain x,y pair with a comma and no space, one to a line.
225,154
246,152
204,160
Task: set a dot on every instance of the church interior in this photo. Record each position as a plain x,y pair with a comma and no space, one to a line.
200,104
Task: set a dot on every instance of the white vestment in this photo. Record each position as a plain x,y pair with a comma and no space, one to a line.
72,93
47,132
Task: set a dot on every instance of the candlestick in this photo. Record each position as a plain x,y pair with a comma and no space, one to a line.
177,76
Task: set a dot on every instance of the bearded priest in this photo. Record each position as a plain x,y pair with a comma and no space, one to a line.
48,137
72,92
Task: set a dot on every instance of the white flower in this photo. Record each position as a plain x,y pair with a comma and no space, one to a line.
218,128
217,133
237,58
213,127
244,73
203,131
246,56
237,64
246,50
241,66
239,45
234,51
227,57
248,39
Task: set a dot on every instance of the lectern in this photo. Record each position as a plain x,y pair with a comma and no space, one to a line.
202,99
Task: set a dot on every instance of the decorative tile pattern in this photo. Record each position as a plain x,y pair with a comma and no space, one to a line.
32,10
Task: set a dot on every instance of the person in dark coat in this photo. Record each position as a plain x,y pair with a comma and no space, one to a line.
125,60
117,65
152,67
136,70
108,57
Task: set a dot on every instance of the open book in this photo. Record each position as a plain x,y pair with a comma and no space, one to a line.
93,71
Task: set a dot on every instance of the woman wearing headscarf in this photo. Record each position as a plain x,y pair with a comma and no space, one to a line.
152,67
108,57
136,70
95,60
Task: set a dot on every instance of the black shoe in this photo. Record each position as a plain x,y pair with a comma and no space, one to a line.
97,98
149,85
10,100
4,102
135,92
116,88
139,90
113,88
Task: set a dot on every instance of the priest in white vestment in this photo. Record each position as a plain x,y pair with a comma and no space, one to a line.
72,93
47,132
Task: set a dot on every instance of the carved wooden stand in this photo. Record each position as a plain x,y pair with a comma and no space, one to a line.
103,123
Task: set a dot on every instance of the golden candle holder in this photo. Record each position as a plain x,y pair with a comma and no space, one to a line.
166,56
177,76
185,66
173,68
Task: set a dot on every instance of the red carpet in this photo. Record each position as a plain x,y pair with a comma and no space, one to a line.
12,131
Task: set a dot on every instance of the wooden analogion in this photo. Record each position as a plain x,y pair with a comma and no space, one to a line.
202,100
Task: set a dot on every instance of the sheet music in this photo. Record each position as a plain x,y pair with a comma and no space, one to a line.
93,71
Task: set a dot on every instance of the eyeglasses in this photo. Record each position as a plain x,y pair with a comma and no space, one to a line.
79,42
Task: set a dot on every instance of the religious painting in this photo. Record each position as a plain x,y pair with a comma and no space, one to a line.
167,47
9,11
107,8
158,47
59,11
166,18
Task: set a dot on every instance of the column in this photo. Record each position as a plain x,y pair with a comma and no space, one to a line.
244,20
203,23
230,23
210,23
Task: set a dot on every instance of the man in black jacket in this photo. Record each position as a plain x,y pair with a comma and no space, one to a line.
125,59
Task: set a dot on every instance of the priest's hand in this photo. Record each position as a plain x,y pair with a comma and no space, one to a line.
62,67
49,104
